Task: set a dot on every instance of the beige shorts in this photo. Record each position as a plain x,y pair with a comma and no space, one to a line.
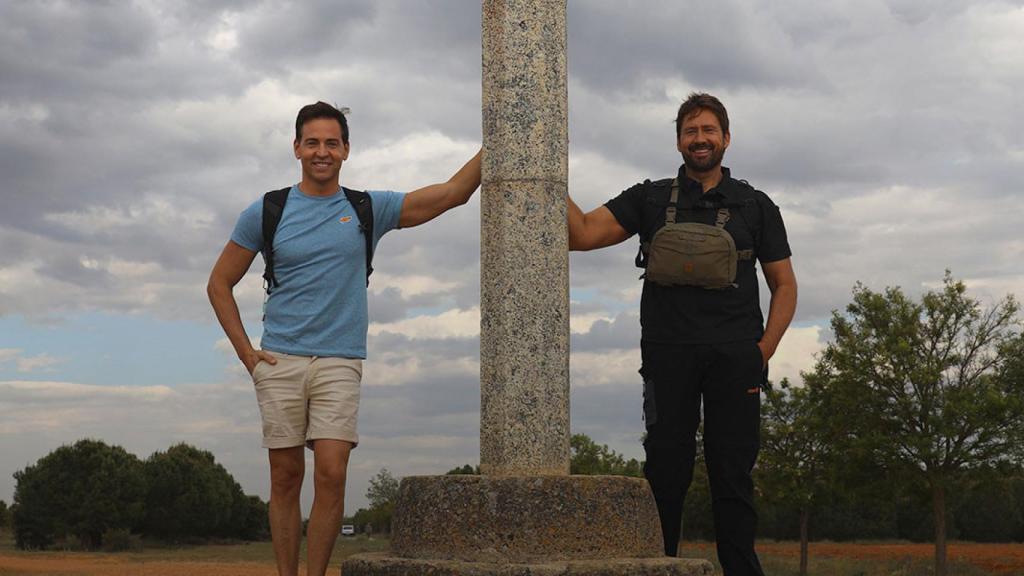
306,398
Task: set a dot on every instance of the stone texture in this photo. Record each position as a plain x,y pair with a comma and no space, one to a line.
525,97
524,330
383,565
524,299
525,519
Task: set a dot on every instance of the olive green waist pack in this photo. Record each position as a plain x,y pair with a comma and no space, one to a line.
690,253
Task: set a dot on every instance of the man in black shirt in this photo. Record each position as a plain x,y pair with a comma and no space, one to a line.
703,333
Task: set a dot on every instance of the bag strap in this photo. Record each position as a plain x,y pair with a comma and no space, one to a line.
670,211
273,208
363,206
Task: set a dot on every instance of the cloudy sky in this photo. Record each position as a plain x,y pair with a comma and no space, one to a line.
133,133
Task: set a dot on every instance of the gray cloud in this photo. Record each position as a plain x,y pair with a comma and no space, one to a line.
132,135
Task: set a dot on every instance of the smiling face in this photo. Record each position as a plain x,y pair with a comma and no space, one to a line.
702,141
321,152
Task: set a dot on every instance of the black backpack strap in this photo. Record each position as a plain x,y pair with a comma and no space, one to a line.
670,217
363,206
273,208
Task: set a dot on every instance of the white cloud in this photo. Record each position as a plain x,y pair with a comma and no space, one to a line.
608,368
40,362
29,363
456,323
32,390
796,353
581,323
410,285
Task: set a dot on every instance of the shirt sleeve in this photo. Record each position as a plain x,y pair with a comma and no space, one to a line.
627,208
773,244
248,232
387,209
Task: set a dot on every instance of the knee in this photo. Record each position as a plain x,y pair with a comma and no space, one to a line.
331,474
730,471
286,480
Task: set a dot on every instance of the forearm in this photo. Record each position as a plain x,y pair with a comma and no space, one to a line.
576,225
780,314
427,203
463,183
226,308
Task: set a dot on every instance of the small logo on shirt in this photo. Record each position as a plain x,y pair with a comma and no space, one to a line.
344,219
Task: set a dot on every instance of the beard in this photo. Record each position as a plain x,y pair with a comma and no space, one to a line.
712,161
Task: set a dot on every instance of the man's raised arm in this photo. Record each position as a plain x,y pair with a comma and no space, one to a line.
595,229
427,203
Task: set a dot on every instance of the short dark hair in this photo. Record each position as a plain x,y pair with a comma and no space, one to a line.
321,110
698,101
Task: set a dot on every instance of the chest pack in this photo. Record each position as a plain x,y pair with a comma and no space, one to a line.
691,253
273,208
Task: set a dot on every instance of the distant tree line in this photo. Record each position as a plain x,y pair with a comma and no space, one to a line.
93,495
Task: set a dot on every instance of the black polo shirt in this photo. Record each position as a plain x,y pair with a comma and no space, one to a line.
689,314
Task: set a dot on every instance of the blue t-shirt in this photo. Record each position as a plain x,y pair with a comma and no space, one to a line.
319,305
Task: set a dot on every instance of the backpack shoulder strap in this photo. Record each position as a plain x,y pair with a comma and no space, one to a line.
670,215
273,208
363,206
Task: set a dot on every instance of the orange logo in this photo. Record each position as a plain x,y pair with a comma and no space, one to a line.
345,219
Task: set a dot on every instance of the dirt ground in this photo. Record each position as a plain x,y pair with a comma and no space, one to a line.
993,558
112,565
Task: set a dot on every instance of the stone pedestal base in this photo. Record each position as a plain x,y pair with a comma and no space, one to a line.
524,526
383,565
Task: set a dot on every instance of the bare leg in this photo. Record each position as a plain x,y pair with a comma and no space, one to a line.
287,467
330,462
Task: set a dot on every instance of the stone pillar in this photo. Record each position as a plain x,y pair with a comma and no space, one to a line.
524,263
525,516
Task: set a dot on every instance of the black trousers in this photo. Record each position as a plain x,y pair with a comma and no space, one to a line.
728,377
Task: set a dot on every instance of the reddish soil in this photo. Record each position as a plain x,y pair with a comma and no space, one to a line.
994,558
104,565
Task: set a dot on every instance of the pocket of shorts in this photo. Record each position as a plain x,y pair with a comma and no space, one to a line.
260,365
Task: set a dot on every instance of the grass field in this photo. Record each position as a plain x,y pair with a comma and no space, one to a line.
257,559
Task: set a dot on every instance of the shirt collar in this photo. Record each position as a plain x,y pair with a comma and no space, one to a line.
726,189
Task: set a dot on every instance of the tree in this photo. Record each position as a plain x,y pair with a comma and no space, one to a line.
382,494
795,452
383,490
190,496
465,470
589,458
5,515
932,387
77,491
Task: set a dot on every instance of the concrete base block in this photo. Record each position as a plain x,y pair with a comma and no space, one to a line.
384,565
525,519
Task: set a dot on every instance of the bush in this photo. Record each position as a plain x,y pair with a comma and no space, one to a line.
77,493
120,540
191,497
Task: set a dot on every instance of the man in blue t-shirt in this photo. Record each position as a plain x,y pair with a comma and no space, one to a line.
308,370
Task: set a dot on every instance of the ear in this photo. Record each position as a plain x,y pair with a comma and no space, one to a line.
726,140
295,148
344,150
